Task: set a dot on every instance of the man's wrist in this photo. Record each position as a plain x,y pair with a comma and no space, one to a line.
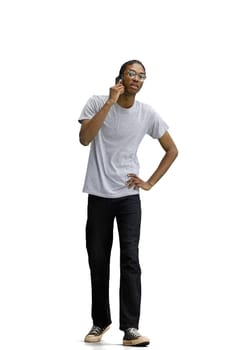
110,102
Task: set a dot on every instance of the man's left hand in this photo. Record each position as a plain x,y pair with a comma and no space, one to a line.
135,182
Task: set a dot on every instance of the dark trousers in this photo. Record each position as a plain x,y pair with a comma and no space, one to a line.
99,238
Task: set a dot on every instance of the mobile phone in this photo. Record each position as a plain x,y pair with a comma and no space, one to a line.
118,79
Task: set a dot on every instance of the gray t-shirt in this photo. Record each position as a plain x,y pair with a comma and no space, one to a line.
113,152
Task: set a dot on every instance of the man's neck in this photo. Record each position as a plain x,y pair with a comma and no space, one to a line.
126,101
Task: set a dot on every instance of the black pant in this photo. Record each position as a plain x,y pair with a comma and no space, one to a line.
99,238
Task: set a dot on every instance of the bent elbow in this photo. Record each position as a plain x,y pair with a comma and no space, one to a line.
83,138
175,153
83,141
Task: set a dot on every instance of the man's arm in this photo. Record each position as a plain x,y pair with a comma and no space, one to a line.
171,152
90,127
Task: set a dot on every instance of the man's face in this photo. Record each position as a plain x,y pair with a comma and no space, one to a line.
133,78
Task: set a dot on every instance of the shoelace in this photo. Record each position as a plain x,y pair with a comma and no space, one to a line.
95,330
133,332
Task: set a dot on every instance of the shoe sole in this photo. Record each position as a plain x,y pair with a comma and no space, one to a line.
136,342
94,338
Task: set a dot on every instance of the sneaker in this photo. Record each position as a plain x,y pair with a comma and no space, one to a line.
95,334
133,338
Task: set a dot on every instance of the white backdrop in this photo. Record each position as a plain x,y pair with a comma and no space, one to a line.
54,56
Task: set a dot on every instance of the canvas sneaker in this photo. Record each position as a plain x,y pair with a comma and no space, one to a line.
95,334
133,338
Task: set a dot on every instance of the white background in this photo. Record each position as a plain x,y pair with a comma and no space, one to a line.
54,56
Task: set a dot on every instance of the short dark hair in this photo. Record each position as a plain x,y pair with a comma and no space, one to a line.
124,66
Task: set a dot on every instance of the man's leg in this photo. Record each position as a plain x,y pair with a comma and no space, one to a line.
99,237
128,221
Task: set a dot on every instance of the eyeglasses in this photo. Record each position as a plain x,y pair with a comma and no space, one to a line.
132,74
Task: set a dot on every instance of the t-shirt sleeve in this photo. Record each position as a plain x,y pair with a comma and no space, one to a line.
157,126
92,106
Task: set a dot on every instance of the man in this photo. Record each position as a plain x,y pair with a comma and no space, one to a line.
115,125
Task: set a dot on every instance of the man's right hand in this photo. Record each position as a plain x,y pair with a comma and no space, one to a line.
115,91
